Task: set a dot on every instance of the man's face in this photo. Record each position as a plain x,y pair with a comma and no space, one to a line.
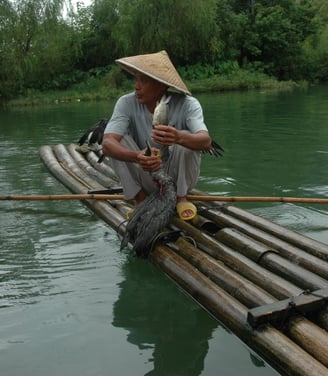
148,91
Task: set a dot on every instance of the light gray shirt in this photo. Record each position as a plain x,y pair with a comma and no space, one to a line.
132,118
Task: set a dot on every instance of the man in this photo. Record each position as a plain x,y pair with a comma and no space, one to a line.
130,127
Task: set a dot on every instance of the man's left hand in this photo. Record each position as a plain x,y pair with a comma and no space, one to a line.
164,135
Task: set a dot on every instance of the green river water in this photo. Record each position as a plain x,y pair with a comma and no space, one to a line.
72,304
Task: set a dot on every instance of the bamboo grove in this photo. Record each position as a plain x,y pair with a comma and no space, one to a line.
53,44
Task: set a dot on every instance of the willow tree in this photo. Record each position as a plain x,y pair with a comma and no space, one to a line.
316,46
96,27
187,29
36,44
10,73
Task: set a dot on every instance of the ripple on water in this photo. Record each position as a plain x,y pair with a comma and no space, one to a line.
317,190
44,257
309,220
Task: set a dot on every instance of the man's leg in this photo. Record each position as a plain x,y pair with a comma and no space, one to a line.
136,182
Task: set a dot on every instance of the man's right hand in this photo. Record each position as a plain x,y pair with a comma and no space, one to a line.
149,163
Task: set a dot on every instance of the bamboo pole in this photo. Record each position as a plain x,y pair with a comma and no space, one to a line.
307,334
309,262
304,200
239,287
71,166
77,196
255,226
315,263
272,260
101,208
90,164
89,196
273,345
287,357
273,284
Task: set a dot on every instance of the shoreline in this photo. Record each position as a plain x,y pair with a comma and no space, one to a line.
100,91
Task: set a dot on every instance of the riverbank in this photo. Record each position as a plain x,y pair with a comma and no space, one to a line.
117,83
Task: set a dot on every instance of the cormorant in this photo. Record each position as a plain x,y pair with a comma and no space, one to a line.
152,214
92,139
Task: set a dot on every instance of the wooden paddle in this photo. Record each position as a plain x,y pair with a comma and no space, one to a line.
91,196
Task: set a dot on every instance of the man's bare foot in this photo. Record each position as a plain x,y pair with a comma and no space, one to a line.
140,196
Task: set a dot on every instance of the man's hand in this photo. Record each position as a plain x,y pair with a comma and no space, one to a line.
149,163
165,135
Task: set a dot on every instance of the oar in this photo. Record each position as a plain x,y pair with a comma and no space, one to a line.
91,196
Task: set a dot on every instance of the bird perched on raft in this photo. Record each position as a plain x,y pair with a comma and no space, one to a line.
92,139
152,214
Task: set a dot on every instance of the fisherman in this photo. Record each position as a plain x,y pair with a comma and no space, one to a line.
131,127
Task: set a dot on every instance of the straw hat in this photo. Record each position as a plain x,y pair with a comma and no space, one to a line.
157,66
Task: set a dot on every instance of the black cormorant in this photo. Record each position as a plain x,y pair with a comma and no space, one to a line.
152,214
92,139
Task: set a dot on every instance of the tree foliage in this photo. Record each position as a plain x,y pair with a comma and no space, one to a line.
96,30
36,45
185,28
275,35
315,48
50,44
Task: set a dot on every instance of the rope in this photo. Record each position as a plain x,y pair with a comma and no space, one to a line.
165,237
314,293
258,261
290,308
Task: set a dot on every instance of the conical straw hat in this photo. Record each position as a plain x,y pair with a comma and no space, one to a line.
157,66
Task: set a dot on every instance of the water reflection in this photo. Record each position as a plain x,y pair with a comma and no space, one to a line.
146,305
175,331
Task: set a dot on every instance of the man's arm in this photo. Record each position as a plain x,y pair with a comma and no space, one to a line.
112,147
167,135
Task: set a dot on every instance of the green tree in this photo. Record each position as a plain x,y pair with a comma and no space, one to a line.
37,45
272,36
54,49
229,28
43,47
10,73
187,29
315,48
96,28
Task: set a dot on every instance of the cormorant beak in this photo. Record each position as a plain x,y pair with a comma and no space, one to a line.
148,152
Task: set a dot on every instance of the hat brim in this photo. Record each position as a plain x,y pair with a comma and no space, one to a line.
158,66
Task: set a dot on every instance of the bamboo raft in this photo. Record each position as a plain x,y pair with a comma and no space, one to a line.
267,284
